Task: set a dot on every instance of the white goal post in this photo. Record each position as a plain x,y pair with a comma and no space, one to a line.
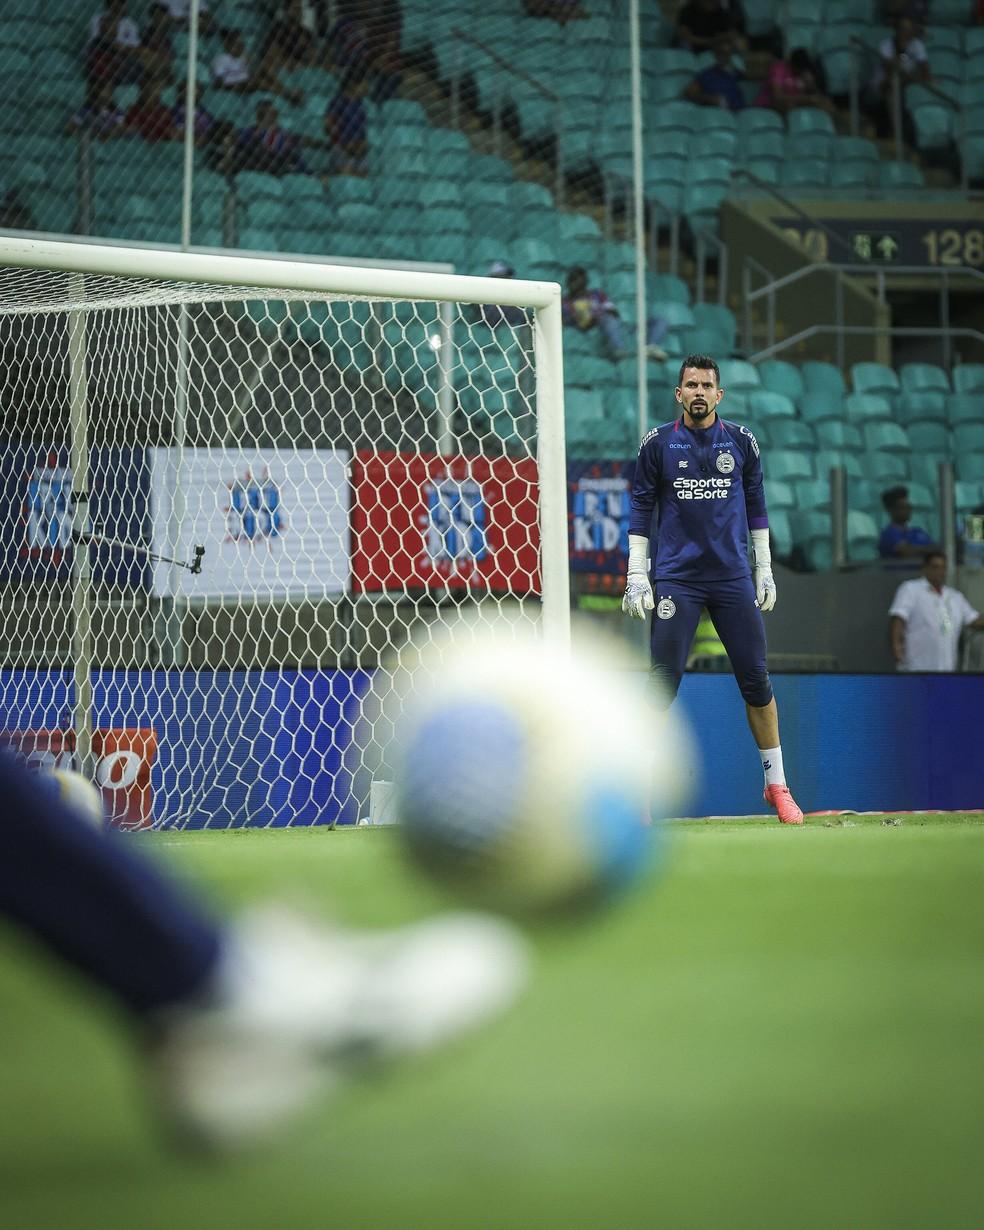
234,488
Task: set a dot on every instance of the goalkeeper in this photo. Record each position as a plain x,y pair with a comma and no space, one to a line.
703,476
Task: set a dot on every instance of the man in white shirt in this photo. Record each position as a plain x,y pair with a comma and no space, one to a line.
927,618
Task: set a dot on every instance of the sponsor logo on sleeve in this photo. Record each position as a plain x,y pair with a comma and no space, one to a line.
754,443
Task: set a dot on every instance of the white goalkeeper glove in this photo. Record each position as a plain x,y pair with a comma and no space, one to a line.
765,584
638,597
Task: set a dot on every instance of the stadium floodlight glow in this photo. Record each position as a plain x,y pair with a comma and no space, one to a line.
356,453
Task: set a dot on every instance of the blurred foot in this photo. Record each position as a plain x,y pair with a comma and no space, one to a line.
784,803
657,353
299,1007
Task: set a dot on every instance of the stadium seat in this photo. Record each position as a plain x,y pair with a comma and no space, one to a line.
819,377
899,175
925,467
757,119
886,438
669,288
863,408
887,469
931,437
968,378
850,462
781,377
779,528
862,536
791,433
764,405
836,434
764,143
968,495
920,377
965,408
921,497
808,119
854,149
705,341
968,438
820,407
789,465
923,407
970,467
805,173
814,494
811,531
852,175
779,494
718,319
874,378
737,375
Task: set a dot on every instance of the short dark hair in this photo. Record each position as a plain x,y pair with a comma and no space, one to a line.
892,496
703,363
935,554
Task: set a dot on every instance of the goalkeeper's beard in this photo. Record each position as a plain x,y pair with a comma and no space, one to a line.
700,411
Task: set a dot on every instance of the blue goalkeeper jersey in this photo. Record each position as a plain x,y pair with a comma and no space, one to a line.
706,487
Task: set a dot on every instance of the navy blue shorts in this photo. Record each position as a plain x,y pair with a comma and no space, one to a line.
738,621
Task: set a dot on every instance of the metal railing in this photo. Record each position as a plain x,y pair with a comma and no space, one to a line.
841,274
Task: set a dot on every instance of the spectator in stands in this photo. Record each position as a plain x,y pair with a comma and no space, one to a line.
15,215
113,51
795,82
232,69
369,43
587,308
346,127
927,617
99,114
205,121
495,314
902,55
899,540
156,47
700,22
719,85
291,41
150,117
265,146
561,11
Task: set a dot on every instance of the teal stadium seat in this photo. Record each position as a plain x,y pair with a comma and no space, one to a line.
821,407
827,459
864,408
965,408
874,378
766,405
719,319
887,469
820,377
862,536
887,438
808,119
805,173
781,377
933,437
968,378
968,438
669,288
836,434
970,467
900,175
967,496
924,407
789,465
922,377
791,434
811,531
737,375
779,494
814,494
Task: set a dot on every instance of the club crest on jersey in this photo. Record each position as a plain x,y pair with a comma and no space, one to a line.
725,462
665,608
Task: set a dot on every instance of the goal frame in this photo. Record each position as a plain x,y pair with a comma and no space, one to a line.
277,274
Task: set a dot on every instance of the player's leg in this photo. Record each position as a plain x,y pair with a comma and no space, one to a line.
739,623
246,1022
674,621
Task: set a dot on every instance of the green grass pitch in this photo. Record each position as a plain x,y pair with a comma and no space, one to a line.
786,1029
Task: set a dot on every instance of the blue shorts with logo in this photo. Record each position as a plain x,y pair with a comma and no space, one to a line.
737,620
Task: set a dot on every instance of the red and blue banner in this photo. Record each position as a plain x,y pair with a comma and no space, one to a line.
423,521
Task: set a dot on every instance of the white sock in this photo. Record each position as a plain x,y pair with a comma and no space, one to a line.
772,766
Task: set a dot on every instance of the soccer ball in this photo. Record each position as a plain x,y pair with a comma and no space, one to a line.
524,777
78,793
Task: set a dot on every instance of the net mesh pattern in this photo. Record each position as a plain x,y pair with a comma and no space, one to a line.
359,472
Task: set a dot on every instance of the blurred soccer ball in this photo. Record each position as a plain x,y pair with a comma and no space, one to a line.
523,776
79,794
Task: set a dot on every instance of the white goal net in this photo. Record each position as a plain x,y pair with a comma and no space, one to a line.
233,490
